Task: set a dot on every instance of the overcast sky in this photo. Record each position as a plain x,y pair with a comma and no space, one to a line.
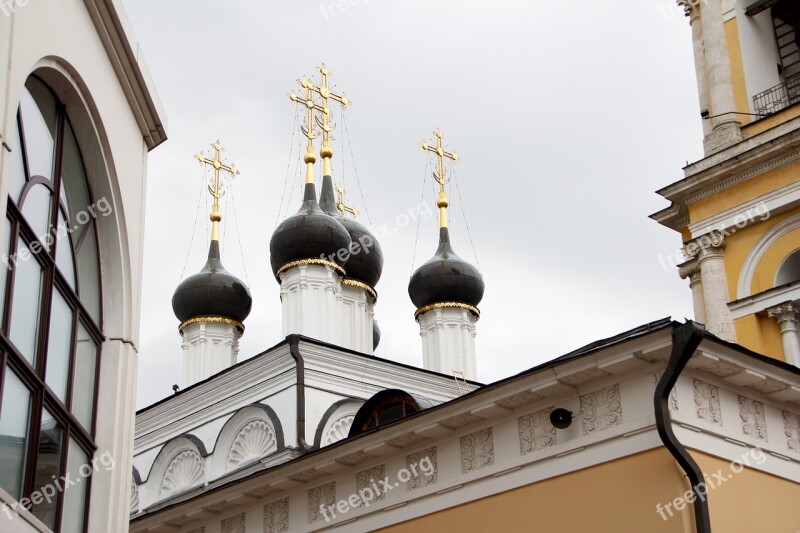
567,117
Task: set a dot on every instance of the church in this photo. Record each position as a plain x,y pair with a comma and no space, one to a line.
676,426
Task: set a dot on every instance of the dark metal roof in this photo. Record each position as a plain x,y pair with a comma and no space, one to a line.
309,234
212,292
366,261
446,278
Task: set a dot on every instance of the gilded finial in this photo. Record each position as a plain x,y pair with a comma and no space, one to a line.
323,119
308,128
440,178
340,205
216,189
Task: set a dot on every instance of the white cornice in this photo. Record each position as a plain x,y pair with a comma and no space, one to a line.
126,58
761,153
764,300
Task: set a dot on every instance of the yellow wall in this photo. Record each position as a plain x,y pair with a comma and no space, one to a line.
737,72
760,334
750,501
619,496
762,125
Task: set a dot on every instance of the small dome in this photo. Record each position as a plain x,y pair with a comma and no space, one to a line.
310,234
212,292
376,335
446,278
366,260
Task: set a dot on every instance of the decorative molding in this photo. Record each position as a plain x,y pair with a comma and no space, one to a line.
256,440
361,285
212,320
673,394
477,450
536,432
460,421
184,471
706,401
198,530
448,305
338,430
791,428
583,376
422,480
520,399
324,495
409,439
754,422
234,524
601,409
276,516
370,478
311,261
134,497
744,176
758,250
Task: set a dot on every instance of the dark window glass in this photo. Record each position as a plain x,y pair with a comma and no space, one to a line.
48,468
49,342
14,416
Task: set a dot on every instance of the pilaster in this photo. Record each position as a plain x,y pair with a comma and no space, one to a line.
787,315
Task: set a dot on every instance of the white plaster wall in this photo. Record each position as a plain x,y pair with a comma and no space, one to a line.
448,341
759,51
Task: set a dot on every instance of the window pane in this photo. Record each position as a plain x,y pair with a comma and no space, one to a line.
36,209
59,344
14,415
6,266
48,463
17,171
83,381
24,324
74,496
89,274
73,182
64,255
38,108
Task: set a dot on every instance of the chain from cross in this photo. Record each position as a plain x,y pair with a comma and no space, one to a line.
441,154
340,205
216,191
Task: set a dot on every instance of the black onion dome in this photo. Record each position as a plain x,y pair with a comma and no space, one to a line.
446,278
309,234
212,292
376,335
366,262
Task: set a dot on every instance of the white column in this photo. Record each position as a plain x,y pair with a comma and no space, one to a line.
726,128
448,341
311,296
208,348
691,270
355,315
693,13
787,316
709,251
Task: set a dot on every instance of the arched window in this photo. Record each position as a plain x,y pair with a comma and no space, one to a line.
384,407
789,271
50,294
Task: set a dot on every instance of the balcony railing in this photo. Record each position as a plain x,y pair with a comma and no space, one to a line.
778,97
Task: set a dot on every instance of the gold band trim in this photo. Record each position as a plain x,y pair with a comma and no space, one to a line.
445,305
361,285
213,320
300,262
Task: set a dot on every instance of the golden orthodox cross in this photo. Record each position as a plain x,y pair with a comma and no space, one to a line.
308,128
324,92
441,154
340,205
216,191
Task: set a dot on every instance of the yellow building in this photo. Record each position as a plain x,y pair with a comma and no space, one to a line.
738,209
